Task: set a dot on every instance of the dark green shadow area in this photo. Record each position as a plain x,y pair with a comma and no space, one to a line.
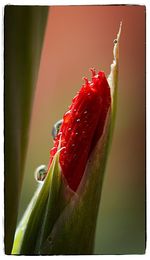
24,28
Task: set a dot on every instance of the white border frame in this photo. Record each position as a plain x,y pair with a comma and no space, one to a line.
78,2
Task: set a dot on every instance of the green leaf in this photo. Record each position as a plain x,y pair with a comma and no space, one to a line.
30,225
23,38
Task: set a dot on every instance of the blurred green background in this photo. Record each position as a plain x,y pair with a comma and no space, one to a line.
77,38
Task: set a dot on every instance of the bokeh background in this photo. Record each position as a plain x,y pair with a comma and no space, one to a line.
77,38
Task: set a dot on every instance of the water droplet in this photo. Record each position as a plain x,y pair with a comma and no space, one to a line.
40,173
69,129
93,89
78,120
77,133
73,145
85,112
67,116
115,41
56,128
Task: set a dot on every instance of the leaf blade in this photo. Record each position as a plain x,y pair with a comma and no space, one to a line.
23,37
27,231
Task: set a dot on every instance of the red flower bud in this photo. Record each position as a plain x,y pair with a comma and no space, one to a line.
82,127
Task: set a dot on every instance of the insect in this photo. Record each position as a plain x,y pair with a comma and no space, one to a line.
56,128
40,173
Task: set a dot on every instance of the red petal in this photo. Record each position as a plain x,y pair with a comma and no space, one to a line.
82,127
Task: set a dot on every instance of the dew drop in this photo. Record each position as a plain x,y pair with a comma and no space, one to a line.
93,89
67,116
85,112
91,84
40,173
78,120
96,76
115,41
56,128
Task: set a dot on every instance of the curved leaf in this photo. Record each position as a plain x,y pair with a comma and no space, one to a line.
26,234
23,37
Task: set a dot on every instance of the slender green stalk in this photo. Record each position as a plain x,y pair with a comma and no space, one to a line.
23,38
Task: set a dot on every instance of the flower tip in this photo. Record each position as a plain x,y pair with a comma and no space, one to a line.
86,80
101,74
93,71
119,32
